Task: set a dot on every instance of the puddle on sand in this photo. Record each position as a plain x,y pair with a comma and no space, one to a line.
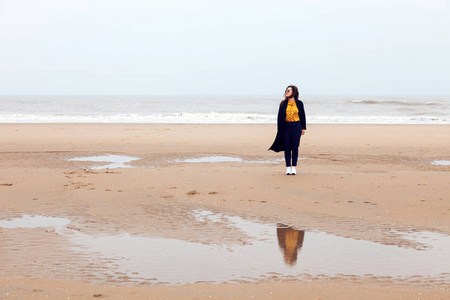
441,163
117,161
217,159
211,159
270,251
28,221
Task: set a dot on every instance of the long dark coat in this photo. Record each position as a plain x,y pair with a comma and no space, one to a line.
278,144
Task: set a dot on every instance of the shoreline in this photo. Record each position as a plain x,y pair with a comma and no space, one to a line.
358,181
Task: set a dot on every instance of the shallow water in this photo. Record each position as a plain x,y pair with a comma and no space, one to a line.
116,161
217,159
212,159
119,161
441,163
269,251
28,221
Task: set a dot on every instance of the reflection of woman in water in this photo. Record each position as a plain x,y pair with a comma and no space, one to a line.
291,125
290,242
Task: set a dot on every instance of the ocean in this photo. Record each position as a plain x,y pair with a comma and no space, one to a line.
222,109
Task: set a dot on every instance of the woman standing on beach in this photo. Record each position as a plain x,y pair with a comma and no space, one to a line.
291,125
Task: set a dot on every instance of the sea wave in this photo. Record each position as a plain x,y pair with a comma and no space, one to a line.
395,102
211,117
218,118
378,120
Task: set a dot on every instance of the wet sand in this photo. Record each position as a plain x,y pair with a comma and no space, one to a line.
366,182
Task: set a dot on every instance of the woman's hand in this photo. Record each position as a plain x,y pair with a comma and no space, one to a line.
303,131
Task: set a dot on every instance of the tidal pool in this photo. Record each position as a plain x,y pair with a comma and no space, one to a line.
217,159
270,251
116,161
441,163
28,221
212,159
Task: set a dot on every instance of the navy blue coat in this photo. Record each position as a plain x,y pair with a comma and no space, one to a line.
278,144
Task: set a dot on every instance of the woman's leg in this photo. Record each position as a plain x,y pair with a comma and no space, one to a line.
295,143
287,157
287,145
294,157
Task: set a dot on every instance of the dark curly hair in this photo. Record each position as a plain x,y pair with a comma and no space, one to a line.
294,93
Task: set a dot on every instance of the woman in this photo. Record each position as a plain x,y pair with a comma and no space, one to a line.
291,125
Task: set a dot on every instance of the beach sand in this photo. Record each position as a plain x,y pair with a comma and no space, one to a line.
354,181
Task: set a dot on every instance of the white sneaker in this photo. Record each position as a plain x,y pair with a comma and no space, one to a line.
293,171
288,171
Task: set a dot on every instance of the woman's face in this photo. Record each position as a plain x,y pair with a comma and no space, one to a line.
288,92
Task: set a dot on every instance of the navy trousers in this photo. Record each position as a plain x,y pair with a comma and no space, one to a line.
292,134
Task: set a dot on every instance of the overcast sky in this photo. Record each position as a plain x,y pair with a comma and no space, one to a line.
233,47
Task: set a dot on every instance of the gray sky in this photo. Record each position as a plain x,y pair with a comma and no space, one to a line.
238,47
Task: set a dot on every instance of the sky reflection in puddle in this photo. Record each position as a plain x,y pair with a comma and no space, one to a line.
217,159
28,221
212,159
116,161
441,163
268,251
119,161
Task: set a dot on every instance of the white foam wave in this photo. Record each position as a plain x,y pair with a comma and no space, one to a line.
377,120
211,117
219,118
396,102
